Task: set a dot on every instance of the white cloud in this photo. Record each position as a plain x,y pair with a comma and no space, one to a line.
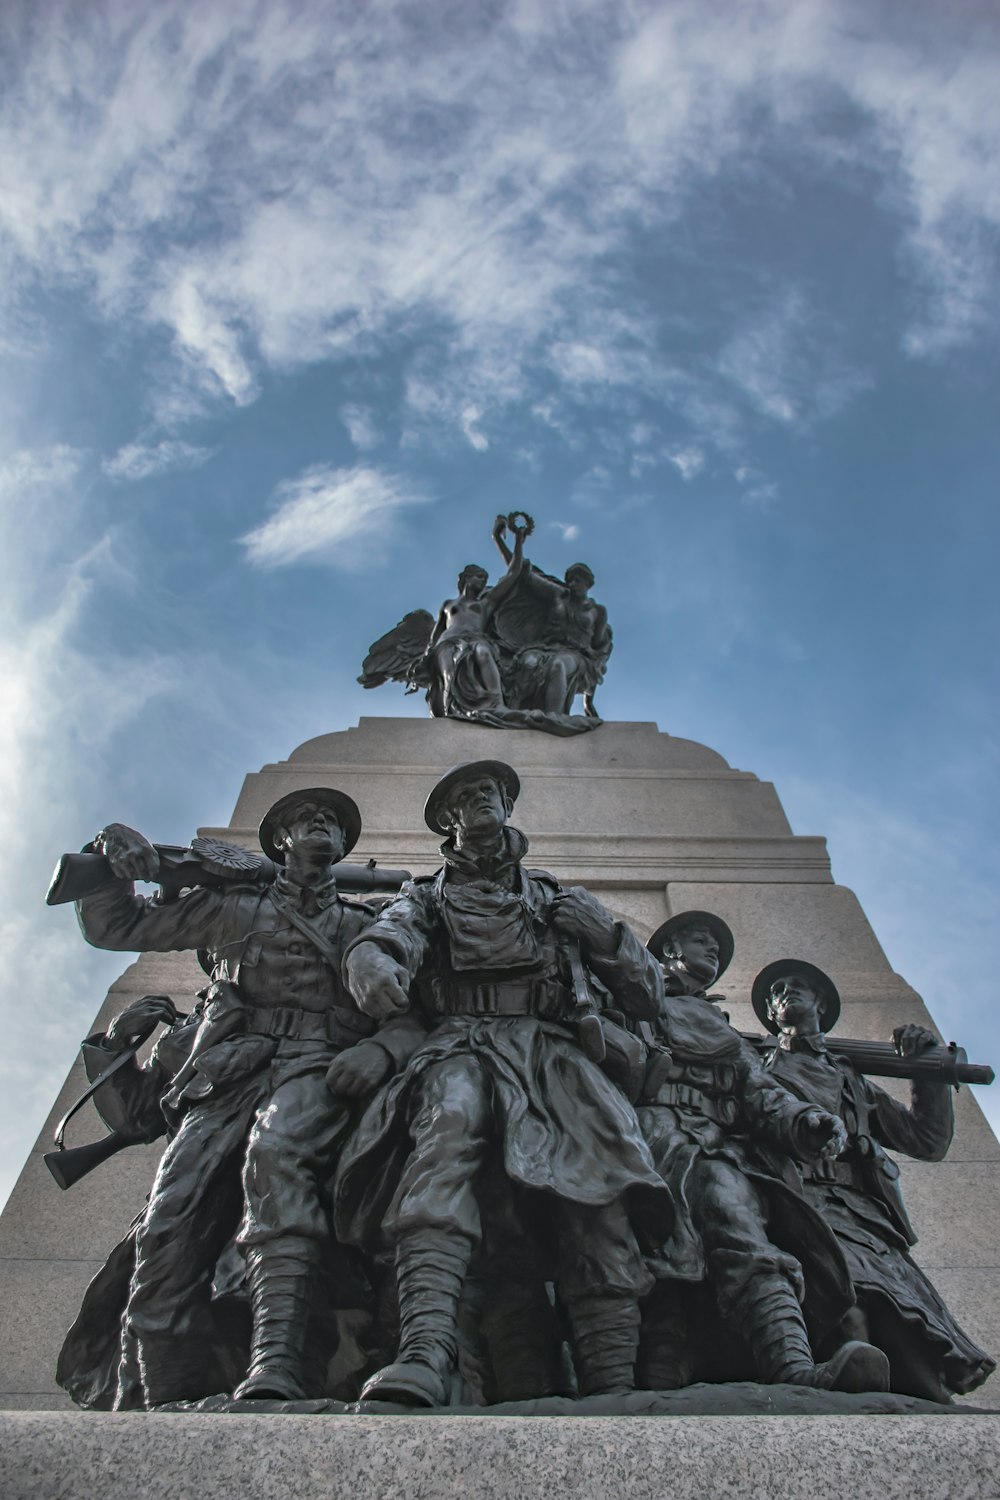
324,513
274,186
360,424
570,531
65,703
45,468
204,332
470,417
786,366
689,461
758,491
144,461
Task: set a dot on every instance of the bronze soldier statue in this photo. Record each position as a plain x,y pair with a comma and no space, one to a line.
98,1363
858,1194
493,957
722,1136
256,1132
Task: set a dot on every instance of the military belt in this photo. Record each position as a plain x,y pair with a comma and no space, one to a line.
546,998
335,1025
683,1096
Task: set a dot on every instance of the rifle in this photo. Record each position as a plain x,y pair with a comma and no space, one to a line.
206,861
939,1064
69,1163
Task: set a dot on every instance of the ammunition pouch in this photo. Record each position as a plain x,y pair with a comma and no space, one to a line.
843,1173
625,1059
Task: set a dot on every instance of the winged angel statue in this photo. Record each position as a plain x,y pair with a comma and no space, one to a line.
513,656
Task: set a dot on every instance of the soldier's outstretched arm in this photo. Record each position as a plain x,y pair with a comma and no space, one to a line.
381,962
779,1119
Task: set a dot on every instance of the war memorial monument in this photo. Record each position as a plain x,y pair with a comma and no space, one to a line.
504,1103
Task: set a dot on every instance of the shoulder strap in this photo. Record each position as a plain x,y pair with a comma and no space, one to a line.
304,924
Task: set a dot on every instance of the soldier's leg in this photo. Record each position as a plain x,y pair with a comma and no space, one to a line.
601,1278
759,1288
285,1232
434,1222
519,1326
664,1362
193,1210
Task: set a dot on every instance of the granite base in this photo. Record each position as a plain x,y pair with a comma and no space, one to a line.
199,1456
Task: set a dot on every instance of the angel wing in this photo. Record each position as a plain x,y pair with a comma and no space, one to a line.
398,653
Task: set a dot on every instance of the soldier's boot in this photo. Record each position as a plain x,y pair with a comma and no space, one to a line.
174,1368
770,1319
664,1362
524,1341
605,1341
431,1265
281,1277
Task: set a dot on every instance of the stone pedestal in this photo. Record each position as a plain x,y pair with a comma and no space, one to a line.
77,1456
653,825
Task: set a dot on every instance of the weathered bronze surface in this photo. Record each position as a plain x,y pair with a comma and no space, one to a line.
514,656
477,1145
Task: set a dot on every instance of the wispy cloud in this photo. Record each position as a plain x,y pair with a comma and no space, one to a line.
145,461
32,468
688,462
325,513
360,424
756,489
471,416
273,189
65,702
786,366
207,332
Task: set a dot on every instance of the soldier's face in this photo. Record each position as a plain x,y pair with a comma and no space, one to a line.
794,1004
476,807
699,949
314,830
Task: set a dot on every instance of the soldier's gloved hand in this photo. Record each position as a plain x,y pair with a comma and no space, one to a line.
910,1040
825,1135
577,914
378,983
130,855
358,1071
139,1020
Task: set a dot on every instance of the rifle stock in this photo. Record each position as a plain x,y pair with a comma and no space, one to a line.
69,1163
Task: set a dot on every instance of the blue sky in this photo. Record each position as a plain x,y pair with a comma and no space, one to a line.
296,297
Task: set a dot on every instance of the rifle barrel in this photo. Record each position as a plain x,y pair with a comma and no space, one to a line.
942,1064
80,875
